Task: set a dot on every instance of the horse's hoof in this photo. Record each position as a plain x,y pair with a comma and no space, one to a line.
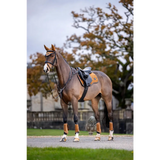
97,139
110,138
63,139
76,140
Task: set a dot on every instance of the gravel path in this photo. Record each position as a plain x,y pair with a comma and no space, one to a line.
120,142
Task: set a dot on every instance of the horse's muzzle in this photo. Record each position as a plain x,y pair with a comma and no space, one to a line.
45,69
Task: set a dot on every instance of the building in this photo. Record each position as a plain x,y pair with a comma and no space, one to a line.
39,103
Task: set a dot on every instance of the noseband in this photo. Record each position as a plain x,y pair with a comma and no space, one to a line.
47,55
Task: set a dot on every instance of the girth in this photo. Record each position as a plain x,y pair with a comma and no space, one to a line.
84,75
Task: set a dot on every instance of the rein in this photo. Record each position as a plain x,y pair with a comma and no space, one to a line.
50,87
60,90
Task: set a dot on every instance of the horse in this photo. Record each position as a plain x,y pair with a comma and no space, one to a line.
70,91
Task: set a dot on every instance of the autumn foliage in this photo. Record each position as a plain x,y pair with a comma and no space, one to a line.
106,45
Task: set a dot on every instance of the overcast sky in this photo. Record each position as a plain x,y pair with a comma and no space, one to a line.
50,21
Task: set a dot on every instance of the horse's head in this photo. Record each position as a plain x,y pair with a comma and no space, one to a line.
50,58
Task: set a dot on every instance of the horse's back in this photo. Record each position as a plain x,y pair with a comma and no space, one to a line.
102,76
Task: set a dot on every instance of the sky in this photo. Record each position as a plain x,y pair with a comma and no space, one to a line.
50,21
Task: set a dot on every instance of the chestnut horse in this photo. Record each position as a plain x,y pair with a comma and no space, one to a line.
70,90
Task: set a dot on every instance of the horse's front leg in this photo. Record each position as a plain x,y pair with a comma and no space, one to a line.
65,125
74,103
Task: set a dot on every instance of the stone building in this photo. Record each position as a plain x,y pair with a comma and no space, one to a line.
39,103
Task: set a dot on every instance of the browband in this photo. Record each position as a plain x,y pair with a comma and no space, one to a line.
47,54
50,51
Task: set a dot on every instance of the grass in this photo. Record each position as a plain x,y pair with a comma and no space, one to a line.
64,153
58,132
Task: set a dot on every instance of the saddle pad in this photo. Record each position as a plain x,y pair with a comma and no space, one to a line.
94,79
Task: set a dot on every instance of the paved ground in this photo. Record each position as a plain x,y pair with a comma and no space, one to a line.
120,142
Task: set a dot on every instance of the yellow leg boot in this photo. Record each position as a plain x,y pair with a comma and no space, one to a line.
76,138
98,126
64,137
110,138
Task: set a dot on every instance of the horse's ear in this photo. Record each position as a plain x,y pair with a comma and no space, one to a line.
53,48
46,48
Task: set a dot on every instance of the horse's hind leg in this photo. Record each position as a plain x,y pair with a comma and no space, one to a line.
95,109
65,125
108,102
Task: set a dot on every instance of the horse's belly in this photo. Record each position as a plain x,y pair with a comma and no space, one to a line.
93,91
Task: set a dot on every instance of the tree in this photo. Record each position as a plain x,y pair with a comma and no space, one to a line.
106,45
34,82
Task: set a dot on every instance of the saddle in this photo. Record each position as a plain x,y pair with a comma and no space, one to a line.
86,78
84,75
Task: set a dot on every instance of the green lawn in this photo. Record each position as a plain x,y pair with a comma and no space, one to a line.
58,132
64,153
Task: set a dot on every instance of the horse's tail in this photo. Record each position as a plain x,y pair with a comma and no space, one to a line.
105,119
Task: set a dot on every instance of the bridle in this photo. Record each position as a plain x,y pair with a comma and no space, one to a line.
47,55
71,73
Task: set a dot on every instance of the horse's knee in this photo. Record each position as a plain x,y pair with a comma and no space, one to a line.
110,115
75,119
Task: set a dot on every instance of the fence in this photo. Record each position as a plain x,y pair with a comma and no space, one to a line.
122,119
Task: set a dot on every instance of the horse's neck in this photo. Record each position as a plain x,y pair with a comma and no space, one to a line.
63,70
